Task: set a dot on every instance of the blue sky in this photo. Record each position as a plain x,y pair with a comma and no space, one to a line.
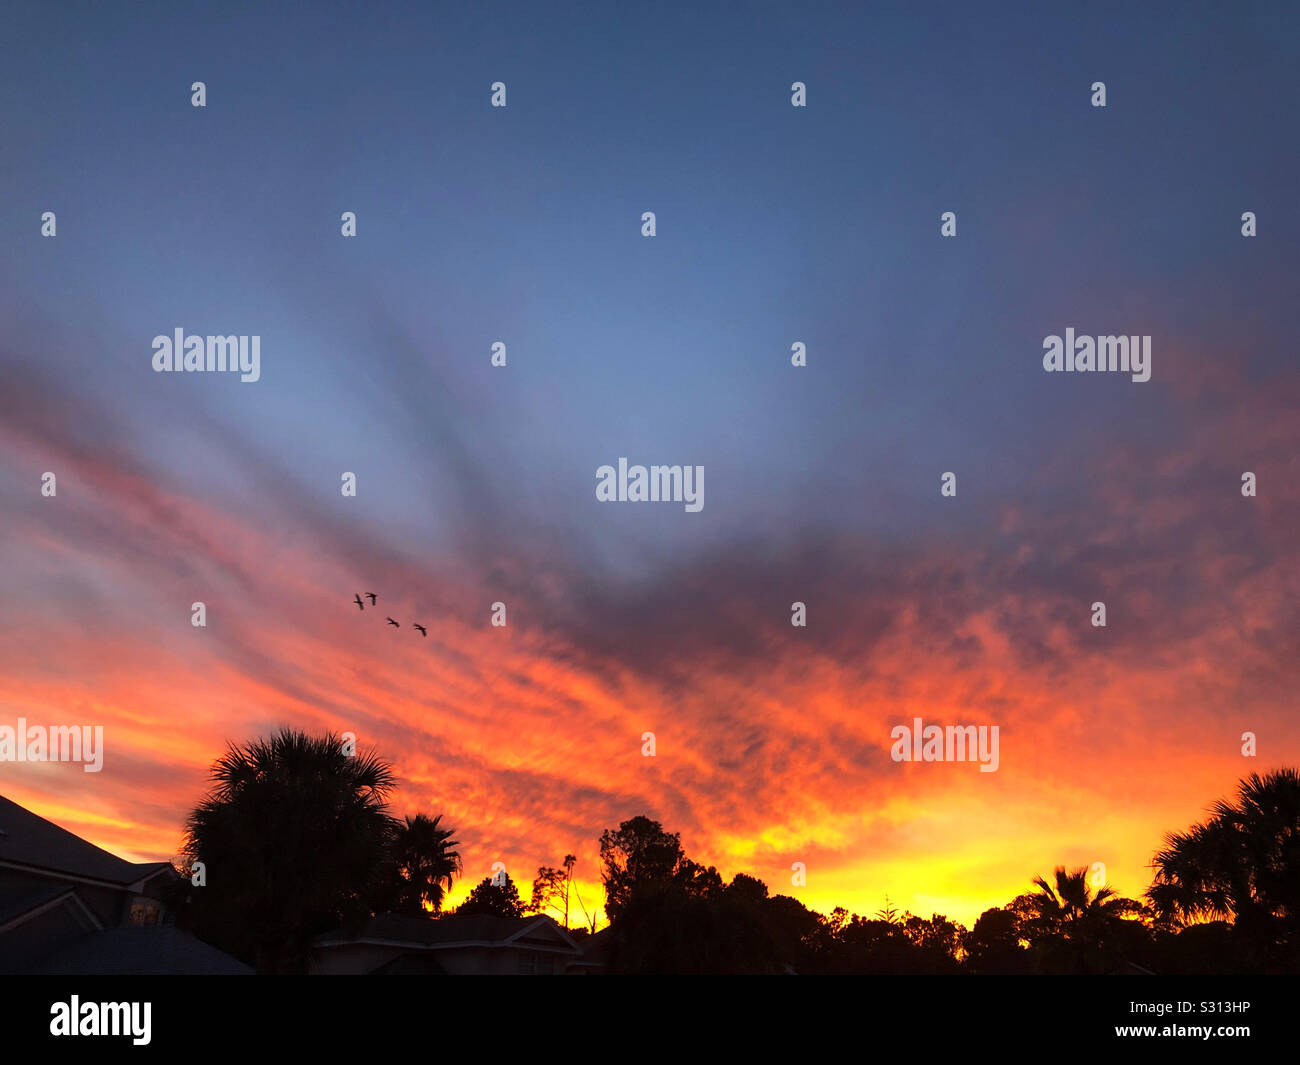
775,224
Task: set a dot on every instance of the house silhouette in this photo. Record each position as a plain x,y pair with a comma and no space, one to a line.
69,907
390,944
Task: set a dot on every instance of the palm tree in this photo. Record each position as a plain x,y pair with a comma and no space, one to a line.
426,864
1242,865
293,837
569,862
1071,923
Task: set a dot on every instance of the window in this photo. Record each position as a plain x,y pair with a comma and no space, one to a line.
144,912
536,963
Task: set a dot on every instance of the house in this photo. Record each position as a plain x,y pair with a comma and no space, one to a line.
392,944
69,907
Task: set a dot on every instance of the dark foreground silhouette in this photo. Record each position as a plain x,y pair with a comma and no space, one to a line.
296,841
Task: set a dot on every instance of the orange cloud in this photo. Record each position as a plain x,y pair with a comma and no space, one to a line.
773,742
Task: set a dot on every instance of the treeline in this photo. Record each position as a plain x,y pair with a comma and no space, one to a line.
1225,899
673,916
295,839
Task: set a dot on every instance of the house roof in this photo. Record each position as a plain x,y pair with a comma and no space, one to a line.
26,905
155,950
478,929
17,905
410,965
32,841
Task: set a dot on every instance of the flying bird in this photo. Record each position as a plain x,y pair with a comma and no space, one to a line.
393,623
360,605
372,597
423,630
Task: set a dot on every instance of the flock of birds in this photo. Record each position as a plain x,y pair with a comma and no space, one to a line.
374,601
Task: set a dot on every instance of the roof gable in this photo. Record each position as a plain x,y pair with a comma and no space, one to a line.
542,932
38,844
433,933
33,904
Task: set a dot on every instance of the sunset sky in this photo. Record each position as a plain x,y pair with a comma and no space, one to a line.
476,484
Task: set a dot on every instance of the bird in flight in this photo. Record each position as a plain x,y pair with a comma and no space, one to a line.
360,605
372,597
393,623
423,630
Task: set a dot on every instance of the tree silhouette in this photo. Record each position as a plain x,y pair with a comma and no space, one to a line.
994,944
497,901
638,854
665,928
569,862
1072,927
1243,865
294,838
936,938
888,914
798,932
669,914
425,864
699,881
748,887
549,889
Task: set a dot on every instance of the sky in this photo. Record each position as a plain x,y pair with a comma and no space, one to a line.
476,483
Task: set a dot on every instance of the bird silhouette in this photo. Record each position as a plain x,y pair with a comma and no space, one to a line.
372,597
393,623
423,630
360,605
